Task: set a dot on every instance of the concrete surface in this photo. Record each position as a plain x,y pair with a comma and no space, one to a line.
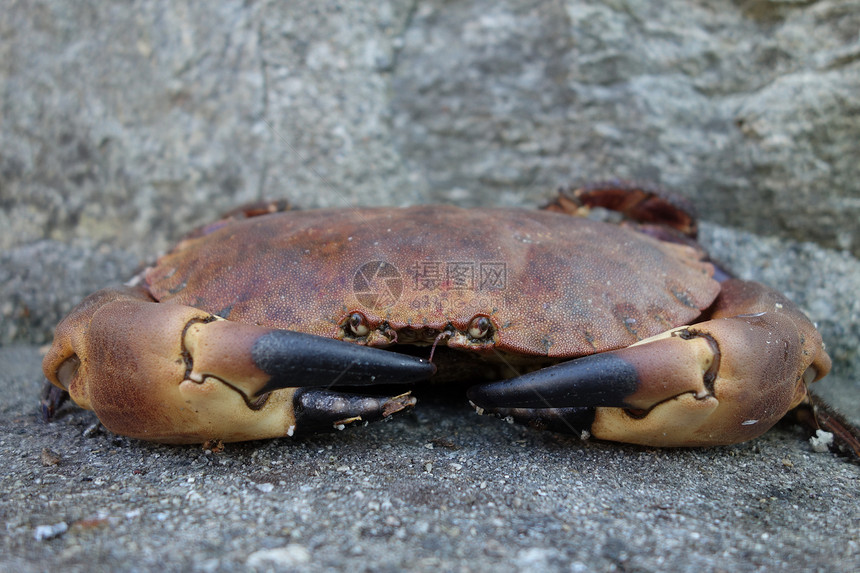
441,489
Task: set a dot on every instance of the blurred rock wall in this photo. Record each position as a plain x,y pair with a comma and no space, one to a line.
125,124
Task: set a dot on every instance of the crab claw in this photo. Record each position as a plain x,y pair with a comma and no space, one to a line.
172,373
261,360
722,381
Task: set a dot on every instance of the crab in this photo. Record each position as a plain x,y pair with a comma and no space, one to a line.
258,325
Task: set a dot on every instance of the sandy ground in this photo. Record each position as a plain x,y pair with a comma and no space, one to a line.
436,489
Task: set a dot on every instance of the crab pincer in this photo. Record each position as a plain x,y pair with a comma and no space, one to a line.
173,373
721,381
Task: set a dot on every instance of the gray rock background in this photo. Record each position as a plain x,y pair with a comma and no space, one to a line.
124,125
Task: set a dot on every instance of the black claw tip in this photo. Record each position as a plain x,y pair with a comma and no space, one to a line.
294,359
596,380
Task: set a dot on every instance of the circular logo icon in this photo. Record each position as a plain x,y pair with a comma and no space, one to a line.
377,285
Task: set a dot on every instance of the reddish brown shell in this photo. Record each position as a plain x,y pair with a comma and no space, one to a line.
552,284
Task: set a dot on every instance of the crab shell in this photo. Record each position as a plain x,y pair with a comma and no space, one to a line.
551,285
519,289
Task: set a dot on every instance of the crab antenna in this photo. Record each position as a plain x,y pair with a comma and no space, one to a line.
439,337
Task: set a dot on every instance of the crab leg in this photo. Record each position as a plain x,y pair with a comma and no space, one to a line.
721,381
173,373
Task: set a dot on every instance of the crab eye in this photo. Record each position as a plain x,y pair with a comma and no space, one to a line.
480,326
357,324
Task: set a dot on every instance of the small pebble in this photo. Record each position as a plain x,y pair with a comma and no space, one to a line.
43,532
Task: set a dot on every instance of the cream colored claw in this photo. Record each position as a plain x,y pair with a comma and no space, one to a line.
175,374
725,380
